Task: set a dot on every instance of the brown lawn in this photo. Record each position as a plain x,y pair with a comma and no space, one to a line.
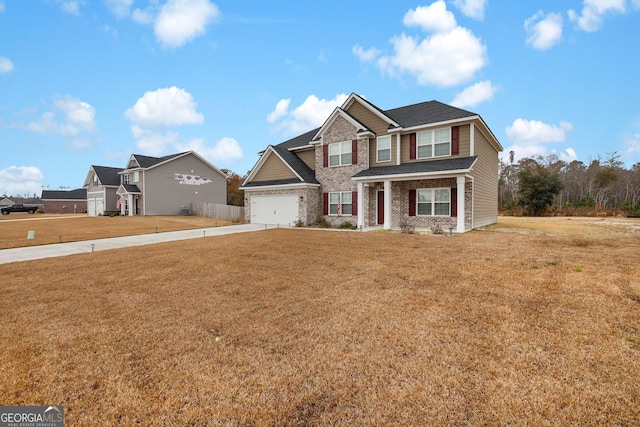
530,322
14,228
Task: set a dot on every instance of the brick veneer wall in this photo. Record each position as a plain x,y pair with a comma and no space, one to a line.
64,206
338,178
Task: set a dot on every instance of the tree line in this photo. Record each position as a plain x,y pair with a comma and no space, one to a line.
535,185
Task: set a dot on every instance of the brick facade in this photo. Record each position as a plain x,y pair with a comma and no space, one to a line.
64,206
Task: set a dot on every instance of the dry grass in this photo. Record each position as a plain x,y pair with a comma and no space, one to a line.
304,327
48,229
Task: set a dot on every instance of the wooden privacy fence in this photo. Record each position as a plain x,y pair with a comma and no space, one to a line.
216,210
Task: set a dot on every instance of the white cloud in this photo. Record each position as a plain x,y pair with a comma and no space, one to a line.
534,132
20,180
165,107
71,7
450,56
632,144
475,94
543,31
70,117
153,143
472,8
180,21
281,110
443,59
590,18
532,151
434,18
224,151
568,155
366,55
169,108
1,6
120,8
143,17
6,66
310,114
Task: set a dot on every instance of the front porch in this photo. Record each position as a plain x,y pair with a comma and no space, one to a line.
129,200
440,204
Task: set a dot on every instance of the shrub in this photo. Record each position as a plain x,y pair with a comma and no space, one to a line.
323,223
299,223
347,224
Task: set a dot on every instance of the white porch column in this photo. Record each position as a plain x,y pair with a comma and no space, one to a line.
460,181
398,149
387,205
360,205
130,201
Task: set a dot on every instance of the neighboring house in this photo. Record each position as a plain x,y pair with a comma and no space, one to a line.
168,185
5,201
427,165
64,201
101,185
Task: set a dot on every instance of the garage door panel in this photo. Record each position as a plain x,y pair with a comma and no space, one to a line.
274,209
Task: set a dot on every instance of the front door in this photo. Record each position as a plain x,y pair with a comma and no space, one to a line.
380,207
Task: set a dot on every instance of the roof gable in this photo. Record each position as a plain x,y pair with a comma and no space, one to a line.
338,112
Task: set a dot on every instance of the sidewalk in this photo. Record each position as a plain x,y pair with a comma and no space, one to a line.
62,249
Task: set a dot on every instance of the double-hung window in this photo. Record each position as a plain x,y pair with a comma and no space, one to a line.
340,203
434,143
340,153
125,179
384,149
434,202
136,176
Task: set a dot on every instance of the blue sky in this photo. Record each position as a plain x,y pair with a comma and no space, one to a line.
89,82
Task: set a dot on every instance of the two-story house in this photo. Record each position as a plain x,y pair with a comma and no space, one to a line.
426,165
155,185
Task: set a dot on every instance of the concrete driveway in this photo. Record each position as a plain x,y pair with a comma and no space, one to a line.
71,248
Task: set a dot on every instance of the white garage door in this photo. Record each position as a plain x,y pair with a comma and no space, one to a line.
274,209
95,207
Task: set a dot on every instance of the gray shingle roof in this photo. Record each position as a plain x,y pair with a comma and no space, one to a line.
148,161
77,194
432,166
273,182
131,188
306,173
426,113
107,175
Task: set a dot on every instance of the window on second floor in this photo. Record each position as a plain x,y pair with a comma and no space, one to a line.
434,143
136,176
384,149
434,202
340,153
125,179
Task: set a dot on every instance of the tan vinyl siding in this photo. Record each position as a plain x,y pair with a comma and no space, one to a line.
369,119
465,145
373,152
272,169
485,173
309,157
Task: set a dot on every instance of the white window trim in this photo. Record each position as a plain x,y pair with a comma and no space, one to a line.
433,202
125,178
433,144
341,153
340,193
388,138
136,176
